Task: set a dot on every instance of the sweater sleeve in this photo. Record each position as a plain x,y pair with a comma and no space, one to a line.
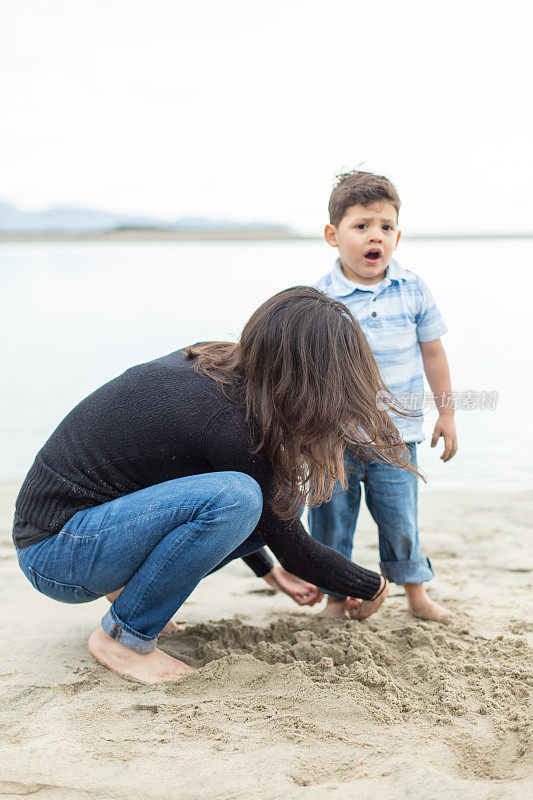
259,562
226,444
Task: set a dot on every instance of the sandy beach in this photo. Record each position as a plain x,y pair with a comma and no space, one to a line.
286,704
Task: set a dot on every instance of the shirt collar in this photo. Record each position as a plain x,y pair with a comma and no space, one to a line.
343,287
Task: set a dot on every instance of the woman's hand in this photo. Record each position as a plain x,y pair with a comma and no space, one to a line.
361,609
303,593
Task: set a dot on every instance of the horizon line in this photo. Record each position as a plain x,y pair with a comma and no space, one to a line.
249,233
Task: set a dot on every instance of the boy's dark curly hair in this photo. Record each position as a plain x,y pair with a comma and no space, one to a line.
357,188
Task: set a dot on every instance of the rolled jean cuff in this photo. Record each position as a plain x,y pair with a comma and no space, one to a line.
416,570
333,595
120,632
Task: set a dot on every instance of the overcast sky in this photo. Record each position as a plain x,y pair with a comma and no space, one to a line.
244,110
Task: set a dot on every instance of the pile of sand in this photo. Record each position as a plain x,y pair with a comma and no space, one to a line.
414,671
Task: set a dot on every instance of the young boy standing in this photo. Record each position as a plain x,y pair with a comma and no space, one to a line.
403,327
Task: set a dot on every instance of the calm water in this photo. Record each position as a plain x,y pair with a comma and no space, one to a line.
75,315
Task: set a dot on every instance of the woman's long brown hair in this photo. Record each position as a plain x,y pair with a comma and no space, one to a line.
309,381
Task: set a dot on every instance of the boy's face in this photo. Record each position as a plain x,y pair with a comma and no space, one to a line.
366,238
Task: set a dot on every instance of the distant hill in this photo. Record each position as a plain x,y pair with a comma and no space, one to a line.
86,220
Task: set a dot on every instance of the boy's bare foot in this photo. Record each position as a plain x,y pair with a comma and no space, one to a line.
340,608
369,607
334,608
429,610
153,667
169,627
172,625
421,606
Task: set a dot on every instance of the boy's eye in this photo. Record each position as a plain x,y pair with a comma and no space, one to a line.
387,227
361,226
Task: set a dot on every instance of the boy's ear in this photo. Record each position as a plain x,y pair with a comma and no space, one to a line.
330,235
397,239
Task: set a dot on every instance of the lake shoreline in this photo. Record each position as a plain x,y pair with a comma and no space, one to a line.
249,235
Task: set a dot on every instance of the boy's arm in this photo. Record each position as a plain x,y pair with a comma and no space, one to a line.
438,375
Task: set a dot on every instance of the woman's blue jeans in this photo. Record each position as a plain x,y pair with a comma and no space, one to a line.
157,543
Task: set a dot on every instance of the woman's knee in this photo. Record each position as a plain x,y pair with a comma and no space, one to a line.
243,493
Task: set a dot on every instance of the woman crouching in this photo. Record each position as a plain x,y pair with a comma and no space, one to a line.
186,462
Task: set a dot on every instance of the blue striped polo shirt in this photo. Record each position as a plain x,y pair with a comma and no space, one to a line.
395,315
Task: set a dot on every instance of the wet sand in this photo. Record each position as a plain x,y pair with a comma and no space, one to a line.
286,704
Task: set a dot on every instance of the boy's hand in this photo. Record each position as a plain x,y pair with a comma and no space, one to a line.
438,375
445,427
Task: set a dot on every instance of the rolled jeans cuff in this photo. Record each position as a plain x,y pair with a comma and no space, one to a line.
122,633
416,570
333,595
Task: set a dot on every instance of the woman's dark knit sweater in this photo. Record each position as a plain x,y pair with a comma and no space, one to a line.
156,422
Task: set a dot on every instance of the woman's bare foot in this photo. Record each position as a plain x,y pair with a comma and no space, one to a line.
421,606
169,627
113,596
303,593
153,667
369,607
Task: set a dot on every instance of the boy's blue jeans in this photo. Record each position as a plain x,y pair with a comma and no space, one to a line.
391,495
157,543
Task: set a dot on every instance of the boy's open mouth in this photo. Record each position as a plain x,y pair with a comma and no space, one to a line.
373,255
